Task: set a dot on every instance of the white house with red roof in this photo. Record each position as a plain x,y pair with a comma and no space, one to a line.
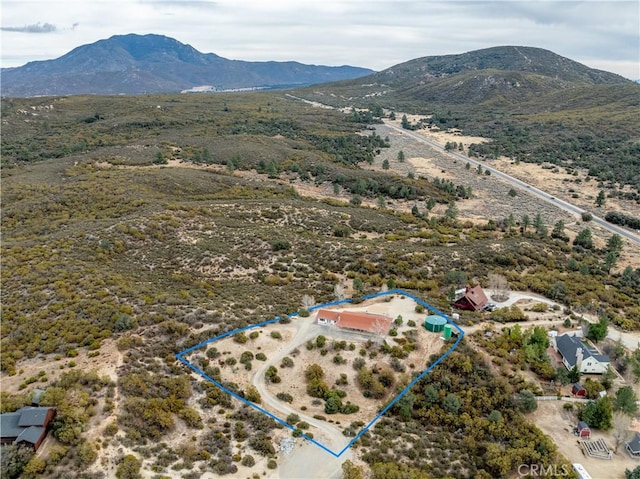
355,321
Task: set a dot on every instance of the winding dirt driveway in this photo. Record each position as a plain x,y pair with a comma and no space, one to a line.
308,461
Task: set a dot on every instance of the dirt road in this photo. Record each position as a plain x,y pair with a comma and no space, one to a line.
308,461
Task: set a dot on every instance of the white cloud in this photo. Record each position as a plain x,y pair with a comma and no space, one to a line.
373,33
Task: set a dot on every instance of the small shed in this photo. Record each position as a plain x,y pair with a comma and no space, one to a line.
579,390
435,323
633,446
582,430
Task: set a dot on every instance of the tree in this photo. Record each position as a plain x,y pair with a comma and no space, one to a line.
525,223
584,239
401,156
610,260
635,474
600,199
129,468
358,285
499,286
558,231
598,331
614,244
356,200
332,404
381,202
626,401
405,122
538,223
252,394
271,375
574,374
526,401
598,414
415,211
34,467
385,164
452,210
558,290
317,388
14,459
160,159
314,371
586,216
430,203
351,471
621,424
451,403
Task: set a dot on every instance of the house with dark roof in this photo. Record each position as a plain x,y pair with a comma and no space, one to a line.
633,446
473,299
355,321
574,352
27,426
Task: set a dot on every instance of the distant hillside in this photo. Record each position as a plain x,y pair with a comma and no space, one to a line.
137,64
535,105
496,76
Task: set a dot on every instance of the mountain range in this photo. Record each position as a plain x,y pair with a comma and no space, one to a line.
138,64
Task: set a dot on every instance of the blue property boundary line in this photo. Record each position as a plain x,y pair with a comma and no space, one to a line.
180,357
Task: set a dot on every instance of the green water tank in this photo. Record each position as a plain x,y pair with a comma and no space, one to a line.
446,334
435,323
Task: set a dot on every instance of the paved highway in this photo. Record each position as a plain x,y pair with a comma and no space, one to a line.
515,182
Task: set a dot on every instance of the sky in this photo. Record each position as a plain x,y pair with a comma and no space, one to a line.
376,34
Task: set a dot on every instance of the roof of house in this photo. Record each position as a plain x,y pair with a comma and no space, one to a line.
577,387
329,314
475,296
374,323
582,425
32,434
634,444
568,346
33,416
20,424
365,321
9,425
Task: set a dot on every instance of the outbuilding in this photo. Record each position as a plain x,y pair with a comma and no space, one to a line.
633,446
579,390
582,430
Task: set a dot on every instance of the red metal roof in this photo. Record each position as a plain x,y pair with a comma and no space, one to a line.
373,323
328,314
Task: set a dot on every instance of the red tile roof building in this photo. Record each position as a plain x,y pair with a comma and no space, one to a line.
355,320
